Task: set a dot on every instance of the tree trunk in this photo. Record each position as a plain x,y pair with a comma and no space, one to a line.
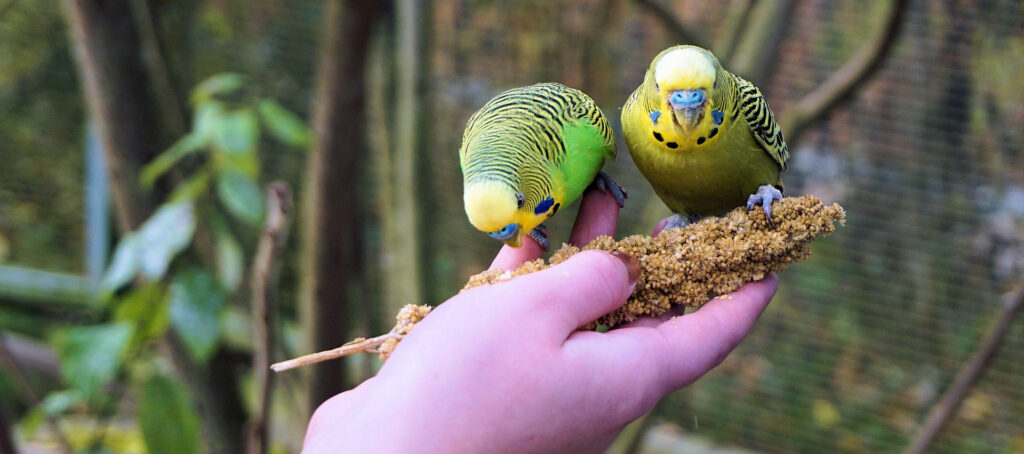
380,79
120,102
332,231
402,243
116,89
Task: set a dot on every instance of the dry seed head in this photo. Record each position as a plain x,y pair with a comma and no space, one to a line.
715,256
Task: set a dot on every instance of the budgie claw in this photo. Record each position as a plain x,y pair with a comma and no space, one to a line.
765,195
680,221
540,234
606,184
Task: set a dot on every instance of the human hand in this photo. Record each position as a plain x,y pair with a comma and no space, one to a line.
502,368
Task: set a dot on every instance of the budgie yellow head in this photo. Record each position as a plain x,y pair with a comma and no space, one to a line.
684,77
496,208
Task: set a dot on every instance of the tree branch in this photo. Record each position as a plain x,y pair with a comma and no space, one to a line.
847,78
274,233
946,407
29,394
755,51
30,355
735,22
356,346
6,440
669,21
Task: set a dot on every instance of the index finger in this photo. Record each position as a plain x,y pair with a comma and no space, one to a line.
598,215
509,258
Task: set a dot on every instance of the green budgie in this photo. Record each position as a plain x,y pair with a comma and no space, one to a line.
528,152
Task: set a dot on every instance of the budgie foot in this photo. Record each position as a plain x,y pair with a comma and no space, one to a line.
540,234
765,195
680,221
606,184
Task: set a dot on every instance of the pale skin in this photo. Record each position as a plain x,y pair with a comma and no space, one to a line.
503,368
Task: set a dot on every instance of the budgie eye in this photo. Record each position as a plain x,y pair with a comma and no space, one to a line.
520,199
505,232
656,88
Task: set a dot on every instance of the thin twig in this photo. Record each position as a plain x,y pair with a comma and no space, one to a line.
31,356
356,346
669,20
847,78
274,232
946,407
30,396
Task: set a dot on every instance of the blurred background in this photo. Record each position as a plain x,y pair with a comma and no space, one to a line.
149,271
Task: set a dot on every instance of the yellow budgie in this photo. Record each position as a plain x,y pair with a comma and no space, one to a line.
704,137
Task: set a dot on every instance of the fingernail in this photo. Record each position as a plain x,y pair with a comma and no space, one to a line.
632,265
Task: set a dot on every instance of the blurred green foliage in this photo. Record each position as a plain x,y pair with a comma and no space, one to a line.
147,289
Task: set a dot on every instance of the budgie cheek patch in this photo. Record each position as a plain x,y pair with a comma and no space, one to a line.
717,116
544,205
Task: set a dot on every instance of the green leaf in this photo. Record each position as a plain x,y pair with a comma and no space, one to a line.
58,402
192,188
229,257
166,417
189,144
218,85
237,132
91,356
207,119
163,236
124,264
146,307
196,302
247,164
236,328
240,196
30,422
283,124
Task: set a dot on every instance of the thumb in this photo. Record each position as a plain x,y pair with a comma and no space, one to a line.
580,290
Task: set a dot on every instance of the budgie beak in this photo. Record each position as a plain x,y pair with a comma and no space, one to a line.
688,106
515,241
510,234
